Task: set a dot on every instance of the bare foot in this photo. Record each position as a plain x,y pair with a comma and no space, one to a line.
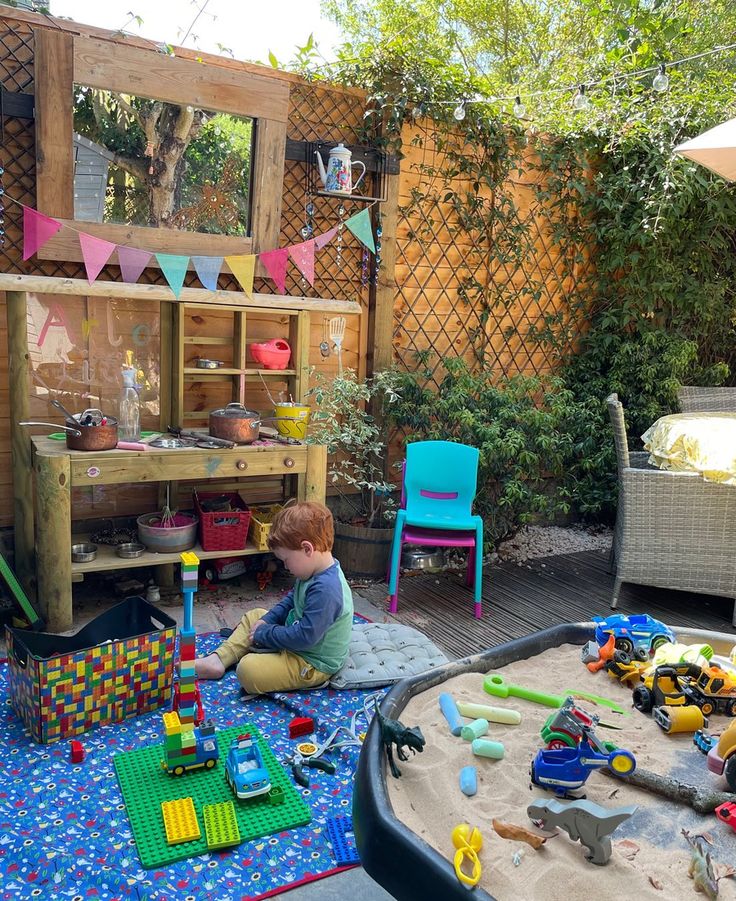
210,667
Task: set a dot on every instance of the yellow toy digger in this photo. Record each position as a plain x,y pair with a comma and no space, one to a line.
664,693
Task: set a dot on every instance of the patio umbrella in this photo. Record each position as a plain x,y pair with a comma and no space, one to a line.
715,149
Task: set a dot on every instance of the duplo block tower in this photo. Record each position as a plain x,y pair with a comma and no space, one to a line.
186,747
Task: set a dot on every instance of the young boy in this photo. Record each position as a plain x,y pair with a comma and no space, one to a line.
309,629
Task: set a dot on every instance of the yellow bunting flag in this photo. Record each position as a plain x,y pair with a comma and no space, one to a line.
243,267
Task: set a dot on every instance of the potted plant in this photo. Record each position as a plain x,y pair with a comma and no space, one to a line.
348,420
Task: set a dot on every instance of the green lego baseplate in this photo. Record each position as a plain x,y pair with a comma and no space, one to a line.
145,786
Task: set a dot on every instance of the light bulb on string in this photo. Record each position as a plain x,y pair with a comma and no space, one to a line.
661,80
581,101
519,108
459,111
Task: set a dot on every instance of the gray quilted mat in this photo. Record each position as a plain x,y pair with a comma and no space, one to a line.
384,653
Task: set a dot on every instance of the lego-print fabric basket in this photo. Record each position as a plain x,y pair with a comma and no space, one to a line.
119,665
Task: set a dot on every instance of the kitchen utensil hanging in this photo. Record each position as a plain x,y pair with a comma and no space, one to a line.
324,346
337,334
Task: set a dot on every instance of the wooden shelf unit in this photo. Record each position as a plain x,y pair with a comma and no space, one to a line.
57,471
296,376
107,559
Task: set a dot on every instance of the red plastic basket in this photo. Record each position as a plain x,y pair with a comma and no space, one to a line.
225,530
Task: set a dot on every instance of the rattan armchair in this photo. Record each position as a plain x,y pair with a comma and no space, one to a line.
707,400
673,529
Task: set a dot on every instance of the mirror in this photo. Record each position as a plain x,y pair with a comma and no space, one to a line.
152,163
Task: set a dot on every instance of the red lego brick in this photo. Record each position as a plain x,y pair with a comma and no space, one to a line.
77,751
301,725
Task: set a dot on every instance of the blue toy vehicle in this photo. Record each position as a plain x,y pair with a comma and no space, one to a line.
638,635
566,769
245,771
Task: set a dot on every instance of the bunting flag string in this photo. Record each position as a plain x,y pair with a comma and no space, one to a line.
276,262
360,226
243,267
303,257
208,269
174,267
37,230
97,252
132,262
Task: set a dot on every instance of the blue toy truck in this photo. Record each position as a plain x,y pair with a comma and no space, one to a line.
565,770
638,635
245,771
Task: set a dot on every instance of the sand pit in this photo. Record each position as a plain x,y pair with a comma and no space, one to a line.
650,857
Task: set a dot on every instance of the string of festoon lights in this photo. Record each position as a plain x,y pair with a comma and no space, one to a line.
580,92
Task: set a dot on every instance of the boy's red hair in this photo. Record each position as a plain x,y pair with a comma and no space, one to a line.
307,521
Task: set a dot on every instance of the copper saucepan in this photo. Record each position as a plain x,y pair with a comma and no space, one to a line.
85,431
236,423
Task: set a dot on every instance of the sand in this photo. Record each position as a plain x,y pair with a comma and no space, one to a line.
427,797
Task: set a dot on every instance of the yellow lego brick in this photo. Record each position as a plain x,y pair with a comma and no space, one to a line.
172,726
189,558
180,821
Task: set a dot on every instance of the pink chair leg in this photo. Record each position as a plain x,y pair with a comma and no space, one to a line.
470,568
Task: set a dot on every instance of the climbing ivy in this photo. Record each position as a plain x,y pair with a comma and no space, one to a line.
643,240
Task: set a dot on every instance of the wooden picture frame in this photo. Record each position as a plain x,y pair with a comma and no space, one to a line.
63,60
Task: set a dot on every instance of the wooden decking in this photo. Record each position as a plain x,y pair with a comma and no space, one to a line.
518,600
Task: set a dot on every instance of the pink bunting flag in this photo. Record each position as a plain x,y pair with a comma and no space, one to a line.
276,262
132,262
321,240
37,229
95,252
303,257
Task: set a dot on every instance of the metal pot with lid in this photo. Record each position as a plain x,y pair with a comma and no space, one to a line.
237,423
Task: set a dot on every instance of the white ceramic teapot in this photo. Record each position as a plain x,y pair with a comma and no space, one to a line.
338,177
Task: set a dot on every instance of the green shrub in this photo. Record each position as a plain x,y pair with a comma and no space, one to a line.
535,440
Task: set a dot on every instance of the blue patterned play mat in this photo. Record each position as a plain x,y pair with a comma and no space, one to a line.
64,832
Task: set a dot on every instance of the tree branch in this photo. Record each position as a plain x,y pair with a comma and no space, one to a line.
137,168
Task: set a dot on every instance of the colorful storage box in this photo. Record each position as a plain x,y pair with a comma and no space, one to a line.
119,665
224,530
261,519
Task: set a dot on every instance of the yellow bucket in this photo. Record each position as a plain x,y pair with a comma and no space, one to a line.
296,426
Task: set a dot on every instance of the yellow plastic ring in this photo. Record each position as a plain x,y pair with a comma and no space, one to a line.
463,855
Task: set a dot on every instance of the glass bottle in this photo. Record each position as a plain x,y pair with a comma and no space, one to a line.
129,419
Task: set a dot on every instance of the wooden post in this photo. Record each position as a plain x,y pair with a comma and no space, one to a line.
380,353
314,485
381,325
20,440
169,365
300,343
53,551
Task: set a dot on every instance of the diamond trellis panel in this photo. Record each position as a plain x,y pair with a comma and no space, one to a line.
16,56
524,278
318,113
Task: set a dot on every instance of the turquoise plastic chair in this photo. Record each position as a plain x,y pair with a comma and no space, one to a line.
440,482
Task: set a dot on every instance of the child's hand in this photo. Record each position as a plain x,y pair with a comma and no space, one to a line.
260,622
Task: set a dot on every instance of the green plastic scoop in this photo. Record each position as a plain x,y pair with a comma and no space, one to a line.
496,685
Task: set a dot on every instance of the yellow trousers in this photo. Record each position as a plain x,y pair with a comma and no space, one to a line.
263,672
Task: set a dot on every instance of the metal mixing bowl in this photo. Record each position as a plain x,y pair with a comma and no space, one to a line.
130,550
429,559
84,553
